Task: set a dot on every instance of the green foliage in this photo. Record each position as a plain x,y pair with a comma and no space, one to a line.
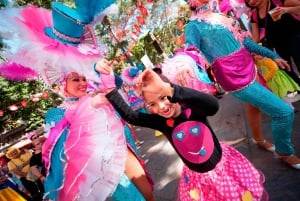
36,100
39,3
165,30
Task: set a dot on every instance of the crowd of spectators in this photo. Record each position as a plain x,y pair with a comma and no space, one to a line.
22,177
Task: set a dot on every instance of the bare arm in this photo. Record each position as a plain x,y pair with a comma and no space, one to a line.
17,171
255,31
36,172
289,7
292,6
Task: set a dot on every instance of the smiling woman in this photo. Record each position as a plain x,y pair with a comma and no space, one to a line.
76,85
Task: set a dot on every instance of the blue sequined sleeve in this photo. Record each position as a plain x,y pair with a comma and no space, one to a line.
53,116
252,46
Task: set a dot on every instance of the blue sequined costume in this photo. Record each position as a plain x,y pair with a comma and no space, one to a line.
235,71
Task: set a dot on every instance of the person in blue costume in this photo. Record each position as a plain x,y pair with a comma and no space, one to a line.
228,49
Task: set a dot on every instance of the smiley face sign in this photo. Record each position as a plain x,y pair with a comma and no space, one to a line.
194,141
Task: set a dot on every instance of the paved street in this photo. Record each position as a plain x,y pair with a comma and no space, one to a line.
282,182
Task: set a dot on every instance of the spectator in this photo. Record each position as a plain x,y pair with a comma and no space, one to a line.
19,166
37,170
181,115
282,35
8,190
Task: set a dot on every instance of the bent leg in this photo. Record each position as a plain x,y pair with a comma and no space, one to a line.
254,119
137,175
126,190
282,115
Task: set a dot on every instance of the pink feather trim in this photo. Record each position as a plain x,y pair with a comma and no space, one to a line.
16,72
30,46
225,6
127,78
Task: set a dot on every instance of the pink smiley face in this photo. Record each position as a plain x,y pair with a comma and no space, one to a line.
194,141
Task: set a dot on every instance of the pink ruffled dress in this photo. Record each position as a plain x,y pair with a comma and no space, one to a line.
231,180
95,151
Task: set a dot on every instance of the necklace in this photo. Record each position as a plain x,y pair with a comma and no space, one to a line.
71,99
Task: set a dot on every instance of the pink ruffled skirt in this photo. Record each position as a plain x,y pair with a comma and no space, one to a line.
233,178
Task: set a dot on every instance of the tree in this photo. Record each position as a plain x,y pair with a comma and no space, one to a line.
24,103
126,33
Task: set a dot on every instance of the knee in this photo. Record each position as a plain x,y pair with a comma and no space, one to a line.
287,112
148,196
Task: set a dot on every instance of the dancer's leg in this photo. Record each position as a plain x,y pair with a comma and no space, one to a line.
137,175
282,115
254,120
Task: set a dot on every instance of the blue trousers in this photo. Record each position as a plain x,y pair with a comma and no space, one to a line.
282,115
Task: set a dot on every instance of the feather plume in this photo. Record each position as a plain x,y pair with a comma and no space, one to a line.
16,72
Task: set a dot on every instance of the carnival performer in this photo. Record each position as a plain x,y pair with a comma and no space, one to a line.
184,72
211,168
86,155
238,10
97,135
189,60
228,49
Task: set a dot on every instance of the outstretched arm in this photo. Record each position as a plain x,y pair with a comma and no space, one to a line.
117,101
252,46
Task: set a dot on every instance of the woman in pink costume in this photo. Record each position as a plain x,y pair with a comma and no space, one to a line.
85,153
213,171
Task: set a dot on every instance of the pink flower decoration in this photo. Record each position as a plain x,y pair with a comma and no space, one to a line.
13,107
24,103
35,99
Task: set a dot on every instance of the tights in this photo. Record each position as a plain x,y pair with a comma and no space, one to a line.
281,114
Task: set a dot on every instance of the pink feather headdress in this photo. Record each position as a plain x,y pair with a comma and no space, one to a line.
27,45
129,75
16,72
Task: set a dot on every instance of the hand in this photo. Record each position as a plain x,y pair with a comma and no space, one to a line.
149,81
103,66
98,100
106,75
282,64
279,11
183,76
